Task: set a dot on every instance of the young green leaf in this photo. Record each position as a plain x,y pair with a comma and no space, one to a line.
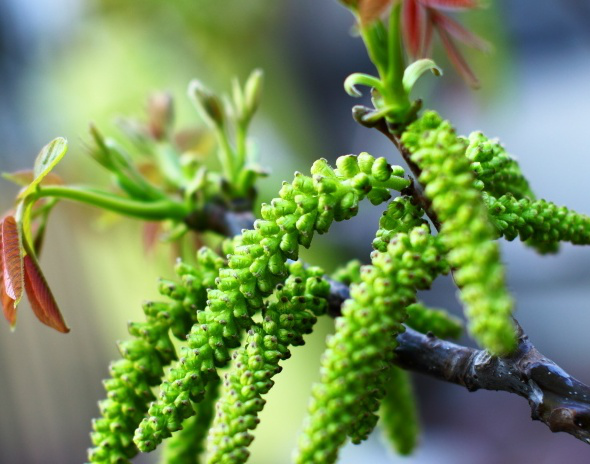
40,297
416,69
47,159
12,259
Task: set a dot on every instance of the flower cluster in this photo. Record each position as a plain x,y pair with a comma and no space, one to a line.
356,364
466,230
144,358
255,268
285,321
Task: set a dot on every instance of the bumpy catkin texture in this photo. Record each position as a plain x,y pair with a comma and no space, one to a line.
437,321
466,230
129,388
285,321
399,414
188,444
358,355
539,220
498,174
496,171
349,273
255,268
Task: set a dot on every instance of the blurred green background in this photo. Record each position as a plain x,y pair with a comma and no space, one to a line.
64,63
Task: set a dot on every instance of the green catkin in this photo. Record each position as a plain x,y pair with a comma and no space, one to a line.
498,174
187,445
466,230
401,215
495,170
358,356
285,321
256,267
437,321
349,273
129,389
540,220
399,413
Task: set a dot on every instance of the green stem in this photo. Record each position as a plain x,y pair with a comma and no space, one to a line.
155,210
241,138
396,66
226,156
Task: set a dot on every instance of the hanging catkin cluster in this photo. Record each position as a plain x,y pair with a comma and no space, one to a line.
539,220
142,367
478,194
496,171
355,366
466,230
256,267
188,444
285,321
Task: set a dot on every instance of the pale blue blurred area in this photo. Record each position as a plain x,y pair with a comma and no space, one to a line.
64,63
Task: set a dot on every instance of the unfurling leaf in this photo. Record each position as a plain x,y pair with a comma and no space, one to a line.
413,20
416,69
370,10
12,259
40,297
47,159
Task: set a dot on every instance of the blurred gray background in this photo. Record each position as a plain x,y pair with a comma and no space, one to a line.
64,63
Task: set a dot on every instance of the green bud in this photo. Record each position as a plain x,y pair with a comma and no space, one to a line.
207,103
365,162
347,166
253,91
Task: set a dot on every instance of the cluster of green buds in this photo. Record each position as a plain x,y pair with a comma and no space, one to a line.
290,316
538,220
359,355
466,230
129,390
495,170
256,266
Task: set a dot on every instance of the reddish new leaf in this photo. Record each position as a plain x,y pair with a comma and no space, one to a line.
413,25
428,33
6,302
151,232
457,59
461,33
450,4
370,10
12,259
40,297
